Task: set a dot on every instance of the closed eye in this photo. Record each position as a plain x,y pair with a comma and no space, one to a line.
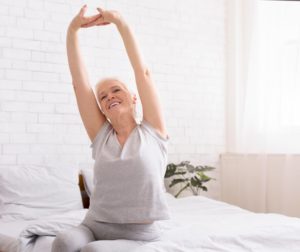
116,90
104,96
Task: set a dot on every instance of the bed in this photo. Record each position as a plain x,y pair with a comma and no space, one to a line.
197,224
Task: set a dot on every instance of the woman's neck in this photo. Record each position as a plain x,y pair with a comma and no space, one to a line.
123,125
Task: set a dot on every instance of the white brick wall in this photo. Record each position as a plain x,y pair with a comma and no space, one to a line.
182,42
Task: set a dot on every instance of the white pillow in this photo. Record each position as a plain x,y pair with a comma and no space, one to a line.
88,180
33,191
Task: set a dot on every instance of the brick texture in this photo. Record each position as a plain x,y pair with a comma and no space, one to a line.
183,43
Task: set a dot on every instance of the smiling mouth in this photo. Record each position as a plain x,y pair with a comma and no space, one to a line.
114,104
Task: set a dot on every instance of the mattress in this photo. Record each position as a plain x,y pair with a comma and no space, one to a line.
197,224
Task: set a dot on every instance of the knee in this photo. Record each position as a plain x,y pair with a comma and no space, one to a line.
62,243
91,247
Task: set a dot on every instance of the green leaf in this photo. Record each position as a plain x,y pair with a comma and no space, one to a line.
180,173
190,168
203,177
204,188
204,168
194,181
176,181
170,171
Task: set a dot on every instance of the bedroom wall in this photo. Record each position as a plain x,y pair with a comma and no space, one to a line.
182,42
265,183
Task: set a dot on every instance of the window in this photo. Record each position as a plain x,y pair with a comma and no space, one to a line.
279,42
267,93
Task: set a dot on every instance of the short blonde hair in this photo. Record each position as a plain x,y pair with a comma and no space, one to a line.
98,85
103,80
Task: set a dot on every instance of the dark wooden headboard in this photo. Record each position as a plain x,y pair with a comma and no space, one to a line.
84,195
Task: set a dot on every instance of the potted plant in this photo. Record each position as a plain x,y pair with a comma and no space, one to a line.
192,177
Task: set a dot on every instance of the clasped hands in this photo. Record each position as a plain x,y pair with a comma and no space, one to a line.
104,17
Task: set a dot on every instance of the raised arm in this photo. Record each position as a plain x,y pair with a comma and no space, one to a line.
152,112
90,112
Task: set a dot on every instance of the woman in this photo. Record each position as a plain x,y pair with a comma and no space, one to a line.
130,158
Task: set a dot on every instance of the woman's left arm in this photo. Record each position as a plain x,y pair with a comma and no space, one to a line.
152,112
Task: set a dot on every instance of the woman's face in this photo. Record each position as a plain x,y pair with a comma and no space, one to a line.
115,99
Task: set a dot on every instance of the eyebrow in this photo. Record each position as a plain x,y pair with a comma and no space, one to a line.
110,88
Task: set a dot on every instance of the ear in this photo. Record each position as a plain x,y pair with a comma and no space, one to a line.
134,98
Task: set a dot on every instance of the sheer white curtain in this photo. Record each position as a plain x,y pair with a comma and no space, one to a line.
270,106
263,107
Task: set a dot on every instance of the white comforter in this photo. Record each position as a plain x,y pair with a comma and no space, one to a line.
23,236
198,224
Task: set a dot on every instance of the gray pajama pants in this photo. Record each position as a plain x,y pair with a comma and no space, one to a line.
96,236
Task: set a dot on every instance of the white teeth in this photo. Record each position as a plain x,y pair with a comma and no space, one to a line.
114,104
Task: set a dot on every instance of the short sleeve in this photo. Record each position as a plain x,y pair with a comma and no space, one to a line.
153,132
100,137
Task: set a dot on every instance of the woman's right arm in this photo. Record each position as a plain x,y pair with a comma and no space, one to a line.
90,113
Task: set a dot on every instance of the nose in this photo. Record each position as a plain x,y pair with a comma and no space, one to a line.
110,96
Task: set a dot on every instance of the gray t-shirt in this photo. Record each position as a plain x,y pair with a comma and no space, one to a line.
129,181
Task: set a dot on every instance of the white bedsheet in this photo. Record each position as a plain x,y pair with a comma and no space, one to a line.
198,224
17,236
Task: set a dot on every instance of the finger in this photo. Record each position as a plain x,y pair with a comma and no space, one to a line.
83,10
86,25
93,22
105,23
100,10
89,24
92,18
